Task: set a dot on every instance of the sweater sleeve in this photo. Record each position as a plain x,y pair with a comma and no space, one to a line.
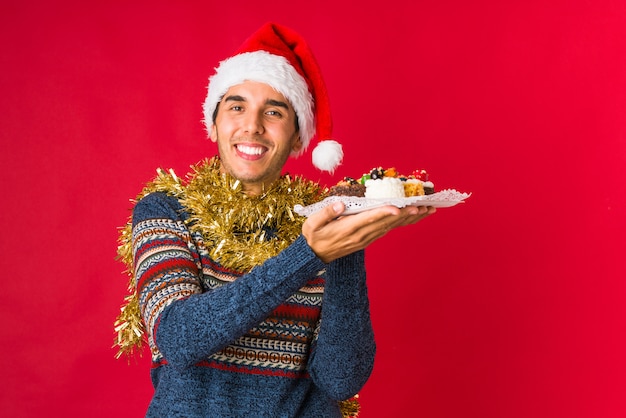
186,324
343,356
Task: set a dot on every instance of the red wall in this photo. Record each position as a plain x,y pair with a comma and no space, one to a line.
510,305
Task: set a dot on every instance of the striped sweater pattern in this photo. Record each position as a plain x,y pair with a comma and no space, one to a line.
169,271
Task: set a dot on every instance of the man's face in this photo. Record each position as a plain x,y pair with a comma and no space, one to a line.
255,131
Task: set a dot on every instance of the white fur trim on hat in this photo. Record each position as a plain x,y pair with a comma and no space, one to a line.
263,67
327,155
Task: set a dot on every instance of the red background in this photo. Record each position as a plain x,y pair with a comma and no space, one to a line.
511,305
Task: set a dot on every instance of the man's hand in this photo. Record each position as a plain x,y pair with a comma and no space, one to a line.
332,236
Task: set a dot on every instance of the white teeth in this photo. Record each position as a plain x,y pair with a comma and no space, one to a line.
250,150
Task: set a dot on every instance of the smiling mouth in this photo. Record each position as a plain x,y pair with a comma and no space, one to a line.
251,151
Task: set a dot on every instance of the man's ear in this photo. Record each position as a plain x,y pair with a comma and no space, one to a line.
213,133
297,145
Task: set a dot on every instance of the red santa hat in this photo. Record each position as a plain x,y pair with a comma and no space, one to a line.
278,56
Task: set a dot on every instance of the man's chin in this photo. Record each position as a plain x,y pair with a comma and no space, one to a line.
248,175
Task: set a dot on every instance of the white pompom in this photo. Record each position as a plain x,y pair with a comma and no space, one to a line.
327,155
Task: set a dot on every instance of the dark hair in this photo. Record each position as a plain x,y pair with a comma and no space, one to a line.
215,112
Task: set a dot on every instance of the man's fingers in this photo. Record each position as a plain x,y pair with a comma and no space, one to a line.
321,218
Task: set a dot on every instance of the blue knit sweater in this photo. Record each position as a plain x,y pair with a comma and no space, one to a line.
290,338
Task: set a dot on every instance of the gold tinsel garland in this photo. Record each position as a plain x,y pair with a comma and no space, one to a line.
241,232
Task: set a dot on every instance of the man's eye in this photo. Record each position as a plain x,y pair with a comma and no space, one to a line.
237,108
273,113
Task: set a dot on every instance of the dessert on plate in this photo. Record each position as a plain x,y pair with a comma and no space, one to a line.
380,183
348,187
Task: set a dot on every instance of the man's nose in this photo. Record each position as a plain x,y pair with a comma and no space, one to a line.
253,123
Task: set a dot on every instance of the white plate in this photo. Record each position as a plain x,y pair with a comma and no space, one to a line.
443,199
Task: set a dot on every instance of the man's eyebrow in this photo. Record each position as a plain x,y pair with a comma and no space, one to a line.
278,103
234,98
270,102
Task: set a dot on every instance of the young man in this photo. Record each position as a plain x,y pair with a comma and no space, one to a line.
250,310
